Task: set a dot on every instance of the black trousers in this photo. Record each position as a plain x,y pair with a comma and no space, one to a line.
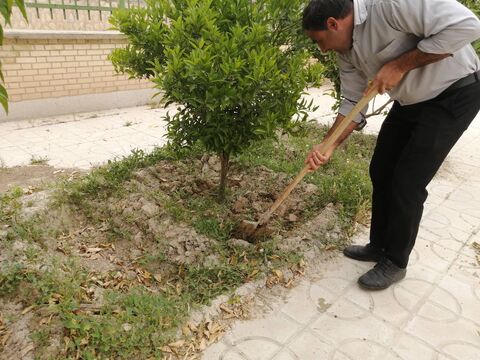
412,144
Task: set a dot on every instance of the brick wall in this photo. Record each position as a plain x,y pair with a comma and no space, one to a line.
42,68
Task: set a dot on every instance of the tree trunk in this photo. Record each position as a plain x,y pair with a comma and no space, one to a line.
225,162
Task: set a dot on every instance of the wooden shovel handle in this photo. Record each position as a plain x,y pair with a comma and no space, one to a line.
324,147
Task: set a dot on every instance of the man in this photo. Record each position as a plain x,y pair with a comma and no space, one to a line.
419,52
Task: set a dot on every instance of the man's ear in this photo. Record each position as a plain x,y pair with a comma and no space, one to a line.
332,23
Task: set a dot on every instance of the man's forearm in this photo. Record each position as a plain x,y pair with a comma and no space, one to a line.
393,71
346,133
417,58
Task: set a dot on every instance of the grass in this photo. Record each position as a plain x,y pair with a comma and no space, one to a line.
133,325
138,320
34,160
10,205
10,278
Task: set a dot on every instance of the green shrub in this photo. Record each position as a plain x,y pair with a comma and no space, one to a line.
237,69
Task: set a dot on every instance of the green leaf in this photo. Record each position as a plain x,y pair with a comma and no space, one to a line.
1,35
3,92
21,6
4,98
6,10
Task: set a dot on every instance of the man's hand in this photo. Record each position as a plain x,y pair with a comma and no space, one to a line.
315,159
387,78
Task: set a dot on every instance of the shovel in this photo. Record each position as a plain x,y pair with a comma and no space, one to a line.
252,230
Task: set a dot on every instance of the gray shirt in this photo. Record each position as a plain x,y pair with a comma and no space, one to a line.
385,29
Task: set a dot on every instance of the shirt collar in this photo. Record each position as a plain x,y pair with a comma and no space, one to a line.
360,12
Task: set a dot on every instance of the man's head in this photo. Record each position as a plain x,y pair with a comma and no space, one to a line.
329,23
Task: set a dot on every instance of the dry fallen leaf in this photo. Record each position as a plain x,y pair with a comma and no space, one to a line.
278,273
186,331
4,339
93,250
178,288
225,308
166,349
26,350
253,273
28,309
289,283
177,344
202,345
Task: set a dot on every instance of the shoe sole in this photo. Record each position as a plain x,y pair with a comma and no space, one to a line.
373,288
367,287
359,258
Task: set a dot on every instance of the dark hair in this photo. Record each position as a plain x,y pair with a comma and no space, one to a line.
317,12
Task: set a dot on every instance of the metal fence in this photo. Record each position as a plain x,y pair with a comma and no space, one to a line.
78,6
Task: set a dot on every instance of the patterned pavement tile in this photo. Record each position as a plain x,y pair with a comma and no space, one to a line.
308,345
438,329
299,305
407,347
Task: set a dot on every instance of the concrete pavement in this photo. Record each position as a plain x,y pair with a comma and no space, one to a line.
81,140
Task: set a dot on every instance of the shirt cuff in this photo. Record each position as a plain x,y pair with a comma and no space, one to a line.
347,105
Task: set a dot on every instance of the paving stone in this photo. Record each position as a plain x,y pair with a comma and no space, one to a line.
310,346
347,321
277,329
83,140
444,331
393,305
461,350
407,347
299,305
256,347
433,255
215,352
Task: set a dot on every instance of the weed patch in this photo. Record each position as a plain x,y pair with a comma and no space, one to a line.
133,325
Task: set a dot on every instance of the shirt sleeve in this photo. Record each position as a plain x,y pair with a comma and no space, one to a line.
353,84
445,26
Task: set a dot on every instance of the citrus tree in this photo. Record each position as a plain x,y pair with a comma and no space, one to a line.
6,11
236,68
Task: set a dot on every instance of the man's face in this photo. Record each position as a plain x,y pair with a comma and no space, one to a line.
337,36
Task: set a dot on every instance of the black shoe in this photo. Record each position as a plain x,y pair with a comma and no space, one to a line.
363,253
384,274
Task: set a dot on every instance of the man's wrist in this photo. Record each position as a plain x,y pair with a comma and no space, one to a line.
405,62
